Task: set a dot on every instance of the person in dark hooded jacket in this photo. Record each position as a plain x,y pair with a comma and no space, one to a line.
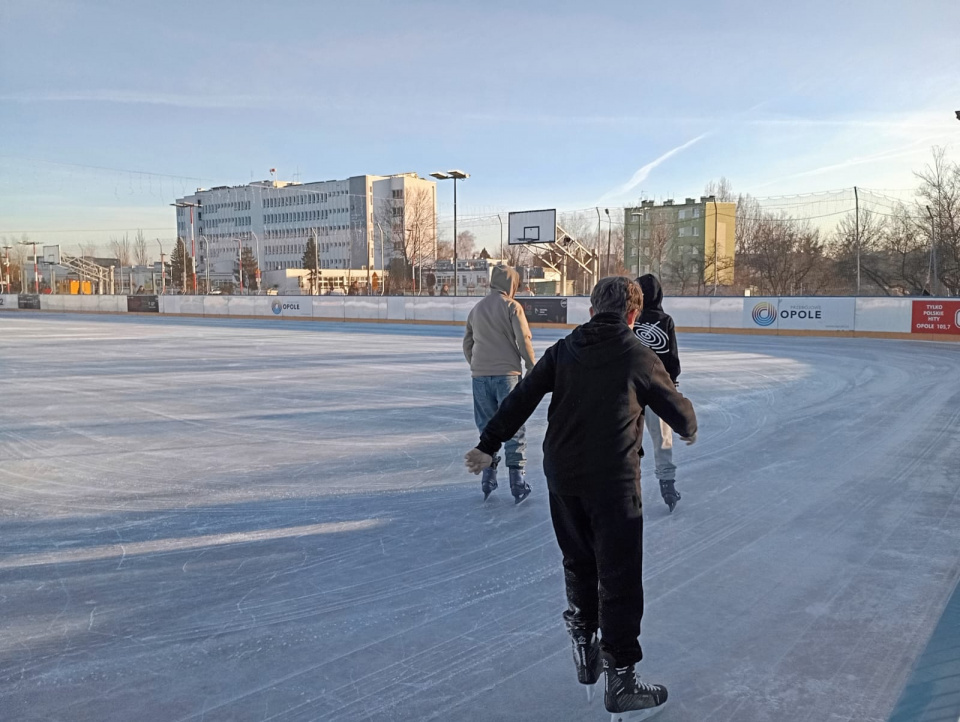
656,331
602,378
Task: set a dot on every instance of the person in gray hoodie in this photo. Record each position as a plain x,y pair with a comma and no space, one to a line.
497,344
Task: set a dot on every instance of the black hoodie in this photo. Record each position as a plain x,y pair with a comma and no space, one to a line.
601,378
655,327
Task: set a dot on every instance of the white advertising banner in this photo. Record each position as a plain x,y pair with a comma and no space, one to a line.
8,302
799,314
817,314
291,306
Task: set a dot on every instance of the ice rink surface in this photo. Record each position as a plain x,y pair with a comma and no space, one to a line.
258,520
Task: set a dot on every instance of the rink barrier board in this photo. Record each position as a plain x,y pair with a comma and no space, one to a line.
874,317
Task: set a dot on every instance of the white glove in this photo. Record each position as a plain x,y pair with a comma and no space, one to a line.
476,461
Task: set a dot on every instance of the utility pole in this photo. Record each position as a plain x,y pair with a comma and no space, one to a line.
932,266
856,205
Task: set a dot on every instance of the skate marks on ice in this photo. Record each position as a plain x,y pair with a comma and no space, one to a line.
261,522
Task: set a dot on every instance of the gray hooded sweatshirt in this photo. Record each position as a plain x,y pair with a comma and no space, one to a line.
497,341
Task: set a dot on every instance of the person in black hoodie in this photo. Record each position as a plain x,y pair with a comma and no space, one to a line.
601,378
656,331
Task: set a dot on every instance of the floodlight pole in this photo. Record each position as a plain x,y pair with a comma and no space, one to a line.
239,261
36,267
609,234
383,272
257,238
716,241
638,216
206,264
501,237
8,282
163,271
455,175
193,242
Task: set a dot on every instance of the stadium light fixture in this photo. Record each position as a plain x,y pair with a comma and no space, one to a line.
455,175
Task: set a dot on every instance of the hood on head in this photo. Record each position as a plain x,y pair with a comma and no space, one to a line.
504,279
652,292
601,339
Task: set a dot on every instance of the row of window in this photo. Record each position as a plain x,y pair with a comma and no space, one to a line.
298,216
281,265
301,199
302,232
217,222
217,207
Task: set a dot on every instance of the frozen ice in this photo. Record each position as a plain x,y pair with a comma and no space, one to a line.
263,520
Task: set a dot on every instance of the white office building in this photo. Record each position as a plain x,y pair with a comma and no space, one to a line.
360,222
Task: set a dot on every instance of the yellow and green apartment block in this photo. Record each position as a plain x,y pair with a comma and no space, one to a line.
674,239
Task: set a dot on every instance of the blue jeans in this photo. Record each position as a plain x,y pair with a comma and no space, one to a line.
488,393
661,437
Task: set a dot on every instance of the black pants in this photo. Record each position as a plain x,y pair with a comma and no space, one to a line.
602,543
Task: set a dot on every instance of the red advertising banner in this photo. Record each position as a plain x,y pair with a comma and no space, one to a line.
936,317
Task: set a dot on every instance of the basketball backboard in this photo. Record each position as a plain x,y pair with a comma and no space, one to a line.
534,227
51,254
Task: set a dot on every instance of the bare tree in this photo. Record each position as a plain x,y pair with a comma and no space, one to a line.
684,270
867,239
939,192
786,255
412,225
140,254
657,244
721,189
120,248
466,244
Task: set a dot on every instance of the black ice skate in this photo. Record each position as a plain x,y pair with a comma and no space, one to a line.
670,495
488,482
586,657
629,699
518,485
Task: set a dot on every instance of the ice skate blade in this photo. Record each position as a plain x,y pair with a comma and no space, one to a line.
592,691
672,506
636,715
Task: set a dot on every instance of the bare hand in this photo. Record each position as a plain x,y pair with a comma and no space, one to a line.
476,461
689,439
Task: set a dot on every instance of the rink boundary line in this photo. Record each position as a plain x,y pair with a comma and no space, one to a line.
887,335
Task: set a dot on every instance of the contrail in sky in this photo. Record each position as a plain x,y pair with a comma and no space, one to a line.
641,175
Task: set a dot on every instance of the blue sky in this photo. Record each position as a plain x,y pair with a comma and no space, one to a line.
547,104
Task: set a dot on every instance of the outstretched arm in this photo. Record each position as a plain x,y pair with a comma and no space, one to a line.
669,404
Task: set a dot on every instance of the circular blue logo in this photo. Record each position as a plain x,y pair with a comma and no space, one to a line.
764,314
